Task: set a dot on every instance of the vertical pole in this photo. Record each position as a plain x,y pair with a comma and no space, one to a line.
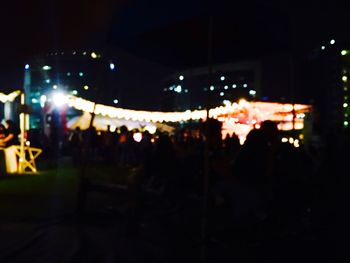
22,120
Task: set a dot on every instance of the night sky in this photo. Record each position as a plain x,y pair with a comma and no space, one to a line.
174,33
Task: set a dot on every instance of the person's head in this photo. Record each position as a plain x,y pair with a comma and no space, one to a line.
270,130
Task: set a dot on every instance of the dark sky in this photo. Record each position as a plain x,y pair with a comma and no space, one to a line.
171,32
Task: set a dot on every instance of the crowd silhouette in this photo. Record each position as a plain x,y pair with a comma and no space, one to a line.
262,190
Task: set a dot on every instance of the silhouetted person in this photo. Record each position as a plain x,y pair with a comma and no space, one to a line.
11,134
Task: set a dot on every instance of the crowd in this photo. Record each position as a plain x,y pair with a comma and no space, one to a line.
253,192
263,179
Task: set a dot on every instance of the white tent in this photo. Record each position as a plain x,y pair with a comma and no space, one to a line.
101,123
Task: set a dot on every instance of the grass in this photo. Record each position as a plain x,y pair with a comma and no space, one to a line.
52,191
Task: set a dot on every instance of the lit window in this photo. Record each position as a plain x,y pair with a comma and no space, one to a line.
178,89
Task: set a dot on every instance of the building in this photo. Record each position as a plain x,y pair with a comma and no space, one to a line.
326,85
199,88
111,77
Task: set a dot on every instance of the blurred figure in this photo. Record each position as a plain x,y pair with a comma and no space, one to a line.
75,143
2,131
11,134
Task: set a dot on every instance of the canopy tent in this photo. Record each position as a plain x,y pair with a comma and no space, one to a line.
101,122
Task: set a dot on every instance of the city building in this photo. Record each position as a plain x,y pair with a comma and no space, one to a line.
326,84
201,87
110,77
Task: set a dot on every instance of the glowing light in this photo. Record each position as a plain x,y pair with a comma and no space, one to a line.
84,53
43,99
346,123
222,94
27,66
111,66
245,85
10,97
47,81
332,42
296,144
137,136
115,101
227,103
238,117
75,92
54,86
178,89
323,47
284,139
291,140
46,67
186,90
222,78
93,55
86,87
34,100
68,74
234,86
226,87
345,78
59,99
27,143
344,52
252,92
345,105
181,77
212,88
81,74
